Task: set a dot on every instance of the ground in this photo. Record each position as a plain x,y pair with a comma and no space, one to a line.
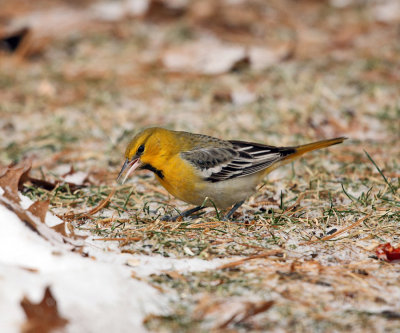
300,255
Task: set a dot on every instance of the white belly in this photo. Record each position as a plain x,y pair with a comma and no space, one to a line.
228,192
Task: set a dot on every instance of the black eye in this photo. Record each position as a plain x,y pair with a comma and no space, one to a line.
140,150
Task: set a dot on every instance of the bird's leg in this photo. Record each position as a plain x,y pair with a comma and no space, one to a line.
233,209
183,214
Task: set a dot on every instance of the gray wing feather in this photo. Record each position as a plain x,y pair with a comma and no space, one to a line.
238,159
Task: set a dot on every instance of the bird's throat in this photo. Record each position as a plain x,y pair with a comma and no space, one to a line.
158,172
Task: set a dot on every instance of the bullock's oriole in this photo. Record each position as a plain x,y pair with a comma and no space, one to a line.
202,170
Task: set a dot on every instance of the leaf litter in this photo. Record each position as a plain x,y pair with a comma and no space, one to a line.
304,247
35,215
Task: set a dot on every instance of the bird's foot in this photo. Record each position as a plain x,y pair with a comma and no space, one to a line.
182,215
229,215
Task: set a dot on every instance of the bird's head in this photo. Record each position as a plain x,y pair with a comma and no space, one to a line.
147,148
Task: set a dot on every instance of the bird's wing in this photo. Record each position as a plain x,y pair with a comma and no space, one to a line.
236,160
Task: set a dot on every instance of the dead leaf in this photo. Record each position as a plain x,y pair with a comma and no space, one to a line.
237,19
159,10
39,209
175,275
42,317
11,179
222,96
251,309
61,228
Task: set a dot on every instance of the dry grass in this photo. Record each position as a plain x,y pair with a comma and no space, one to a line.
306,240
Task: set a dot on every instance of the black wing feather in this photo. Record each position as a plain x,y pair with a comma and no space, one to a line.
235,159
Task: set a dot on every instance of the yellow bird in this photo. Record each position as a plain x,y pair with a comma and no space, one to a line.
202,170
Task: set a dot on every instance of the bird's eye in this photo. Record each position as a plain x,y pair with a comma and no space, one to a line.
140,149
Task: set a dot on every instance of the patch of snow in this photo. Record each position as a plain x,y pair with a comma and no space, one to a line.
341,3
242,97
137,7
109,11
76,178
356,192
262,57
25,202
207,56
278,174
84,288
147,265
387,11
330,165
61,169
52,220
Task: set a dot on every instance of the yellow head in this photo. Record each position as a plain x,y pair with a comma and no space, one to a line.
147,150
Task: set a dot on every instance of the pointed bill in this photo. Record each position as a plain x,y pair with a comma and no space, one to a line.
130,166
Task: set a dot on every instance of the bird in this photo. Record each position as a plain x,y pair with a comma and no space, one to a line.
206,171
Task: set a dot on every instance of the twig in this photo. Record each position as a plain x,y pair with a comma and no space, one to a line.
257,256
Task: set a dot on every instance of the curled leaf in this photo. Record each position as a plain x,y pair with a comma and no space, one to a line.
12,177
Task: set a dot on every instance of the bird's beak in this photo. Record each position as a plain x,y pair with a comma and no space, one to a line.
129,165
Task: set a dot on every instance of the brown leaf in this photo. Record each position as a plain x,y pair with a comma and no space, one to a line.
42,317
12,177
60,228
3,170
251,309
175,275
39,209
159,11
256,308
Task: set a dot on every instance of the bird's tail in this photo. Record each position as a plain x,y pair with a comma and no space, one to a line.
297,151
301,150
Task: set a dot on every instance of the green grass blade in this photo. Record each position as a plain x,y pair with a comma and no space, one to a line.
380,171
